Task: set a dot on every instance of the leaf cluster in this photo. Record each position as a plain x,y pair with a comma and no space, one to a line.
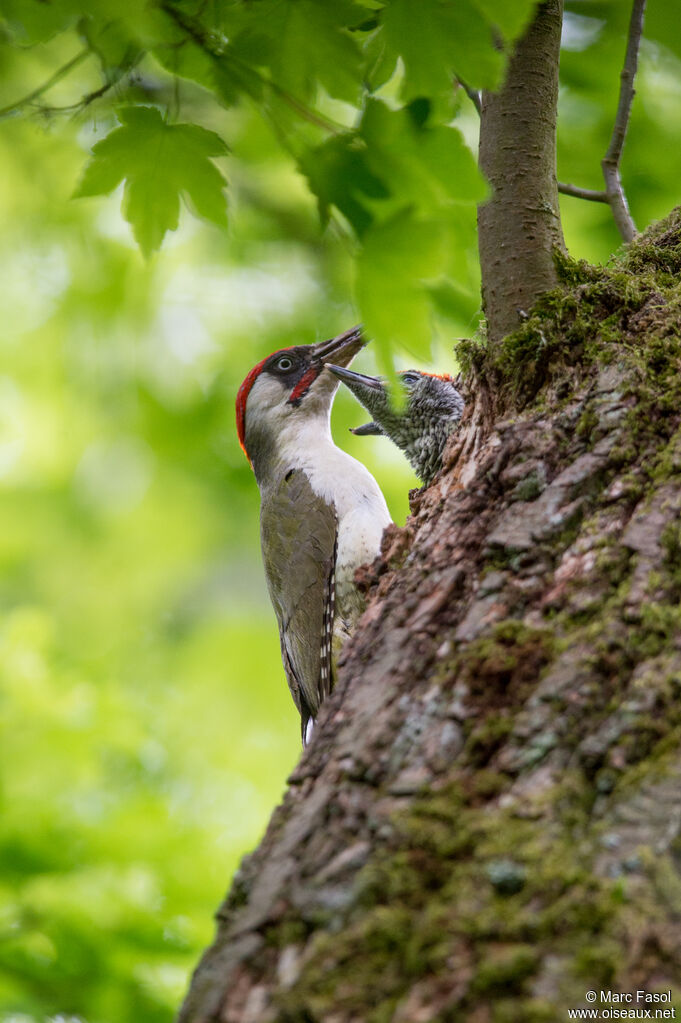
361,94
364,96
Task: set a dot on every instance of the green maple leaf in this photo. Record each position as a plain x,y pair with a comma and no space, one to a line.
438,39
159,162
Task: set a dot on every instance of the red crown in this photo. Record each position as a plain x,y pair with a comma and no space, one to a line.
242,398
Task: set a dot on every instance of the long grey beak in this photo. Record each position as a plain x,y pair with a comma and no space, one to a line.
358,383
342,349
369,391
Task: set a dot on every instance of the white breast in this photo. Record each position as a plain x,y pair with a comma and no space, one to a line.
360,507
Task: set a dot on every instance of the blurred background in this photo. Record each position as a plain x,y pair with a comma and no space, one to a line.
145,724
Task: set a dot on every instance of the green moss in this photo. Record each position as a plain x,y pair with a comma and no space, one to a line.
500,559
435,827
658,249
504,660
486,784
598,963
290,931
486,738
336,970
668,460
671,544
407,931
572,272
613,564
587,422
660,623
505,969
401,876
529,488
471,354
523,1010
581,322
296,1016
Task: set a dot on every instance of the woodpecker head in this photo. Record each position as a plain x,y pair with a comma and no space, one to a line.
421,427
287,388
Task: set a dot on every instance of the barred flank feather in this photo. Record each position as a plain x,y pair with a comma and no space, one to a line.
325,665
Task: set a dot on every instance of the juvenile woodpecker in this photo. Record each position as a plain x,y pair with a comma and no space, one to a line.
421,427
322,513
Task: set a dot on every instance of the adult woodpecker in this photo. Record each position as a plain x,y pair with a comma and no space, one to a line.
322,513
421,427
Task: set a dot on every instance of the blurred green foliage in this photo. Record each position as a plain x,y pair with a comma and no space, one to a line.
145,725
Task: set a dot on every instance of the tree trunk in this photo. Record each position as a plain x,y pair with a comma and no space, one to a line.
519,227
488,822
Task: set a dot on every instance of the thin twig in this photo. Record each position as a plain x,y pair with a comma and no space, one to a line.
473,94
611,161
60,73
582,193
85,101
614,192
202,41
312,116
579,193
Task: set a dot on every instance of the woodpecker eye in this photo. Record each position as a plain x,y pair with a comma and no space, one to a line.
409,379
285,363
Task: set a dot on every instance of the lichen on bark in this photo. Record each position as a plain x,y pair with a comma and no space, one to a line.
488,822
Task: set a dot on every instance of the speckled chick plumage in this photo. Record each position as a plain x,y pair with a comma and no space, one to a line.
421,427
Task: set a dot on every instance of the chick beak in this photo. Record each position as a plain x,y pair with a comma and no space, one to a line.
368,430
366,389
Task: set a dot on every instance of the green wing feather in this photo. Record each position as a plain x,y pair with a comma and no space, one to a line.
299,532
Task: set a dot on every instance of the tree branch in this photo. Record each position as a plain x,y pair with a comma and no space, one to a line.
614,192
574,190
473,95
60,73
611,160
85,101
582,193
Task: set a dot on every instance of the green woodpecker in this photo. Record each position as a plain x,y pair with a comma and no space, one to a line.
322,513
431,412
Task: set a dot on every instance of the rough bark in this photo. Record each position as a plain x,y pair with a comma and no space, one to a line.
488,822
519,226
